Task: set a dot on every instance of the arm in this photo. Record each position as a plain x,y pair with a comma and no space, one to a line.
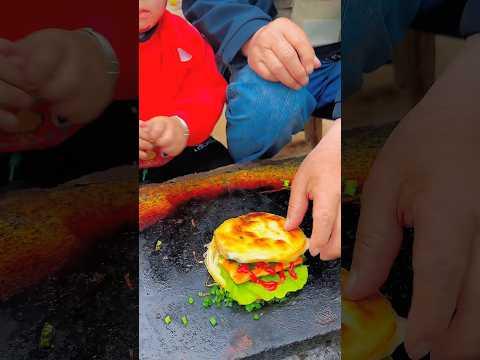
201,100
228,25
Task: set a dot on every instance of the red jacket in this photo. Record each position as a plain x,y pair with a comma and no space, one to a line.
178,76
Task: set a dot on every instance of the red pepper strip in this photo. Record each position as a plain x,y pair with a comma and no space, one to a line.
243,269
292,272
282,276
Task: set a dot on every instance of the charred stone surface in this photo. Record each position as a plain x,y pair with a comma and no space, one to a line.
309,319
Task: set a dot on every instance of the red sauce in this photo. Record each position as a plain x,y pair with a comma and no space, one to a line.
269,285
264,266
291,271
244,269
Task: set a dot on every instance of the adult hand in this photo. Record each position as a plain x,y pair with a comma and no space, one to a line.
319,179
145,147
281,52
426,177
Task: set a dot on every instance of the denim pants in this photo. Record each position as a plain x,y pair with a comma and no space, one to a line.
262,116
370,29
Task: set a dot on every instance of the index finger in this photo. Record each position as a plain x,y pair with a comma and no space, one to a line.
302,45
379,234
298,202
6,47
11,74
289,58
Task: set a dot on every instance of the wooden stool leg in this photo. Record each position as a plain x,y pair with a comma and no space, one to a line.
315,129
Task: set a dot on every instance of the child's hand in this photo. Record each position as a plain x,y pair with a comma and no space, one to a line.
66,69
281,51
12,98
319,179
168,134
144,145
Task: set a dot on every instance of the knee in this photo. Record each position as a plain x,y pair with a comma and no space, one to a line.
262,115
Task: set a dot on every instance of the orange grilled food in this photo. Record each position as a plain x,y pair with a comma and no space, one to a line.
258,269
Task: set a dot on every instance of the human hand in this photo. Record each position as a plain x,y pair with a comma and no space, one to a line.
426,177
12,98
66,69
167,133
281,52
145,147
319,179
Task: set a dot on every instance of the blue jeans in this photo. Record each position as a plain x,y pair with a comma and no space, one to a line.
370,29
262,116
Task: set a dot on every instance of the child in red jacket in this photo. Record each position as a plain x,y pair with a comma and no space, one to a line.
182,94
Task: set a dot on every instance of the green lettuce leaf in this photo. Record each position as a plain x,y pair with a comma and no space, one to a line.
249,292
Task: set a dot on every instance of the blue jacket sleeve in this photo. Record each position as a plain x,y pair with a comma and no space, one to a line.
228,24
470,23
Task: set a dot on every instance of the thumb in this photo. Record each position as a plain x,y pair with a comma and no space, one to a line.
379,236
6,47
298,203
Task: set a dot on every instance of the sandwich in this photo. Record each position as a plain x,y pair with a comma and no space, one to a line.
371,329
255,259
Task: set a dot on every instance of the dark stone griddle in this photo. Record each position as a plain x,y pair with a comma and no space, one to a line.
93,311
310,318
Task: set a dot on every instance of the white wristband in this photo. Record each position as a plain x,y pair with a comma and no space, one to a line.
184,125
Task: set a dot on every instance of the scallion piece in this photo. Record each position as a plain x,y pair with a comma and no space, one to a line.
213,321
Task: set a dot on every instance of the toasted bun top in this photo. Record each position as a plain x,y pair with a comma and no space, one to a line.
259,236
371,330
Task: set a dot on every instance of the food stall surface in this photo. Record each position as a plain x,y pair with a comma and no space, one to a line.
173,271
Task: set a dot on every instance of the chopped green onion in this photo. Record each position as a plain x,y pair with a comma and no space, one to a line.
207,302
46,336
144,174
158,245
190,300
256,317
184,320
167,320
253,306
286,184
213,321
350,187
